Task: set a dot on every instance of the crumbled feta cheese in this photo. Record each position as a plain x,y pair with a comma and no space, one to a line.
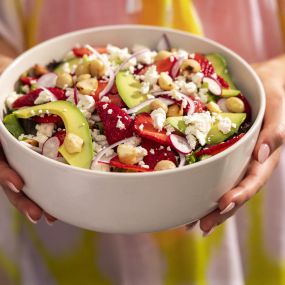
182,54
120,125
117,53
203,94
151,76
151,151
12,97
224,125
158,118
101,167
144,87
105,106
45,96
141,126
86,105
110,111
105,99
188,88
66,67
197,78
135,141
45,129
147,57
169,129
168,148
198,125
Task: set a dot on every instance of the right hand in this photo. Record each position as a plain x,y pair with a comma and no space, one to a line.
12,183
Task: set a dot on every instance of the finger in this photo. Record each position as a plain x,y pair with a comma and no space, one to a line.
49,219
24,205
273,130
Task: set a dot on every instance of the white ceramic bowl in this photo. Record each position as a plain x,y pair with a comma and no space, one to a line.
128,202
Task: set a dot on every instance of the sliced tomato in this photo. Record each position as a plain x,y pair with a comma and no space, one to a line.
100,88
212,150
133,168
149,131
164,65
81,51
47,119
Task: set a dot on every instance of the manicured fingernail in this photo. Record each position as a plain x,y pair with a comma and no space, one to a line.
31,219
206,234
189,227
263,153
50,223
12,187
228,208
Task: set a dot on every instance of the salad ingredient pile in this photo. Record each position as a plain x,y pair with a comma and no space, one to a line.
128,110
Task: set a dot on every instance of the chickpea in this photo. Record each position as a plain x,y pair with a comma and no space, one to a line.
163,54
235,105
174,111
156,104
165,82
87,86
73,143
190,66
129,154
83,77
64,80
97,68
164,165
32,142
40,70
214,107
82,68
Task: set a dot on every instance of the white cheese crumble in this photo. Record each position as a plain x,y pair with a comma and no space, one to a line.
110,111
151,76
169,129
105,99
224,125
182,54
135,141
197,78
188,88
45,96
120,125
12,97
45,129
145,86
158,118
198,127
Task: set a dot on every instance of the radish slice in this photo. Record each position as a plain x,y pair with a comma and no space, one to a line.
99,155
47,80
109,85
222,105
50,147
182,160
75,95
163,43
180,144
213,85
148,102
175,68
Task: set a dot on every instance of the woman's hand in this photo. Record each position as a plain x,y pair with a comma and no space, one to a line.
12,183
267,151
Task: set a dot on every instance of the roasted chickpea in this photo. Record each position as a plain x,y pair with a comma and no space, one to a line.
64,80
97,68
164,165
82,68
235,105
87,86
174,111
156,104
165,82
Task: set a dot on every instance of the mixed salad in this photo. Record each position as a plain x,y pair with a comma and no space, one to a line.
128,110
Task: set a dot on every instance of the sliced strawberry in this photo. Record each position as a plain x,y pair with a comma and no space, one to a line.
61,136
117,100
212,150
149,131
132,168
156,152
117,123
29,99
28,80
47,119
223,82
81,51
246,106
206,67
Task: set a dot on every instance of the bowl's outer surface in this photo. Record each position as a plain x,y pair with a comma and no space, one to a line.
130,203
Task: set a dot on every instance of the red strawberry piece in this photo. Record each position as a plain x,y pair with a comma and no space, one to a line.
117,123
81,51
133,168
212,150
58,93
246,106
156,153
206,67
148,131
61,136
223,82
27,80
47,119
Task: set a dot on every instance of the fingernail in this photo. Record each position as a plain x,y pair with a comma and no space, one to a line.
206,234
263,153
50,223
189,227
228,208
12,187
31,219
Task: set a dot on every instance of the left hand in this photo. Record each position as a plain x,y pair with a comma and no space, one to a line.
266,154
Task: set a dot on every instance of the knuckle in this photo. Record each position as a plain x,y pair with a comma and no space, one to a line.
279,135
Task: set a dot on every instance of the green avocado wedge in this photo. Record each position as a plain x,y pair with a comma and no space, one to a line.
129,90
12,124
215,136
71,62
74,122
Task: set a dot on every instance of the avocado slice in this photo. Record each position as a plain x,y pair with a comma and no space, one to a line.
215,136
230,92
129,89
74,122
13,125
221,68
70,62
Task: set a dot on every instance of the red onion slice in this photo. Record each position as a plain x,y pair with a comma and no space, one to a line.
163,43
50,93
182,160
180,144
148,102
99,155
222,105
97,54
47,80
109,85
50,147
191,104
175,68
